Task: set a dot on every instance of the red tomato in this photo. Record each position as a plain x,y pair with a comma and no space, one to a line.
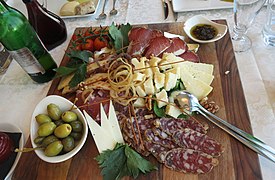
78,47
89,32
88,45
77,38
99,43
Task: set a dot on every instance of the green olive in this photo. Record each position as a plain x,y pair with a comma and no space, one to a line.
69,116
46,129
48,140
68,143
77,126
58,122
53,149
54,111
42,118
63,130
77,136
38,140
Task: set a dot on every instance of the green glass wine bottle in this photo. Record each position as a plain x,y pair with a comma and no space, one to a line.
20,39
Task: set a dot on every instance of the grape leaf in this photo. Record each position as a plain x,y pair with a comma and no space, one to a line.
79,75
63,71
82,55
160,112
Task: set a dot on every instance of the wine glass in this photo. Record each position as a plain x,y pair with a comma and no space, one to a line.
245,12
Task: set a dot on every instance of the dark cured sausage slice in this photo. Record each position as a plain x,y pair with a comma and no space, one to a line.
189,161
157,46
190,56
156,150
167,142
177,47
191,139
170,125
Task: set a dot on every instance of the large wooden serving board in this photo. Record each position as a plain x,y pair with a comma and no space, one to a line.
237,162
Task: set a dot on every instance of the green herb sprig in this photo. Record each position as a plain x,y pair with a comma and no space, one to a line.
122,161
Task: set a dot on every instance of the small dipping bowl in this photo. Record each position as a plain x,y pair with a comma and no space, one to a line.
198,20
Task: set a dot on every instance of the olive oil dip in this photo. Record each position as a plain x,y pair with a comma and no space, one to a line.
203,31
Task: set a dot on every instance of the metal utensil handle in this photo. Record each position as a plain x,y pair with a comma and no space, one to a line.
104,4
246,141
114,4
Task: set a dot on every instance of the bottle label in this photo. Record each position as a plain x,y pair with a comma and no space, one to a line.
27,61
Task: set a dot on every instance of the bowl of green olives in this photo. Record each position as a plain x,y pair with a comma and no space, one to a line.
58,129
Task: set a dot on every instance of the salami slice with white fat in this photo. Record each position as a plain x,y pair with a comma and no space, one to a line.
188,138
165,142
157,150
189,161
170,125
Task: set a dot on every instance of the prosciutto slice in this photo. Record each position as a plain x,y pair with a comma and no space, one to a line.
177,47
190,56
157,46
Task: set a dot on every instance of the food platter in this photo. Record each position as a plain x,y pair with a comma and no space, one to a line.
227,93
52,5
194,5
10,128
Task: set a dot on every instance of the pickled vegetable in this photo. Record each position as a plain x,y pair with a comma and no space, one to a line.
63,130
54,111
42,118
46,129
68,144
48,140
54,148
77,126
69,116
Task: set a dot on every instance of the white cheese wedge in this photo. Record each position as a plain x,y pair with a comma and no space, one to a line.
138,64
140,102
140,91
164,65
162,96
172,111
207,68
195,86
117,135
102,137
170,81
159,80
148,71
200,75
154,61
137,77
149,86
175,70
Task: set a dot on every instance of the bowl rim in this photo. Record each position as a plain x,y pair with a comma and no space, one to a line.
59,100
204,20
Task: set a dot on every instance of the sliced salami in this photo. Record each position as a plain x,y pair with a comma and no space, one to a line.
157,150
188,138
170,125
189,161
167,142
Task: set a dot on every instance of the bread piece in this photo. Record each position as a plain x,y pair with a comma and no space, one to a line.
68,9
85,8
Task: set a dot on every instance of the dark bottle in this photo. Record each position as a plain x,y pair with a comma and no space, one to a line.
50,28
20,39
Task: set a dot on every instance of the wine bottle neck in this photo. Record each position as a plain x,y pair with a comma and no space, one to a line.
3,7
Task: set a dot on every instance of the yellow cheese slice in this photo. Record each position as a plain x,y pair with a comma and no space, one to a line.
207,68
200,75
116,132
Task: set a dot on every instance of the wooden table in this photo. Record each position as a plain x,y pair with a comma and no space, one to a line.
237,162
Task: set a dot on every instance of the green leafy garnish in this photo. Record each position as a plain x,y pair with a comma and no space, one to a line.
160,112
119,34
77,65
122,161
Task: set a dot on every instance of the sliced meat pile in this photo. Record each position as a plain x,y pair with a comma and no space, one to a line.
181,145
147,42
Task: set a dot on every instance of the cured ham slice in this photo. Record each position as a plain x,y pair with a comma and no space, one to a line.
157,46
140,39
177,47
190,56
189,161
170,125
191,139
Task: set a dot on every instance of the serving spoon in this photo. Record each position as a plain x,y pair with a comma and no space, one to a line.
113,11
189,102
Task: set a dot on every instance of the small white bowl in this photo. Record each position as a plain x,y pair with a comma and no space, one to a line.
222,29
64,104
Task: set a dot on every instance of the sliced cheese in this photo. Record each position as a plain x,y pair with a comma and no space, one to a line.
137,77
140,91
195,86
148,71
207,68
117,135
102,138
162,98
138,64
175,70
172,111
149,86
170,81
164,65
139,103
200,75
159,80
154,61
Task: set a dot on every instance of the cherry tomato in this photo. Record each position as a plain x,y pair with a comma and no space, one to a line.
89,32
77,38
78,47
99,43
88,45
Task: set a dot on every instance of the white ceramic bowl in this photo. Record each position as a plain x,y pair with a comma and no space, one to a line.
64,105
195,20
